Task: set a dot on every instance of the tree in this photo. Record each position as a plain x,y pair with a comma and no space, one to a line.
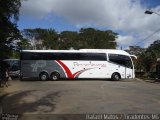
33,36
9,12
50,39
148,58
23,44
155,48
42,38
68,40
97,39
89,38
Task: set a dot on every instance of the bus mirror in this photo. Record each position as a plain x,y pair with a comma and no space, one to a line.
134,56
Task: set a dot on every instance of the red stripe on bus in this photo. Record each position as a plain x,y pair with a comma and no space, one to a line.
69,73
76,73
67,70
80,72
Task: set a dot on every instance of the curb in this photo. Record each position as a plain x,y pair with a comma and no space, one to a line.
138,79
148,81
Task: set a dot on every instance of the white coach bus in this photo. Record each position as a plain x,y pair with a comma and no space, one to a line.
72,64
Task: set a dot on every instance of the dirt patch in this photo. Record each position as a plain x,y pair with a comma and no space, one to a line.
12,103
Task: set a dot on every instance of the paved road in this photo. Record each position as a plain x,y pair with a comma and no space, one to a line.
81,96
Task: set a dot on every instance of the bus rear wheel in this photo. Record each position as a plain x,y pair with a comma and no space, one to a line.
55,76
43,76
115,77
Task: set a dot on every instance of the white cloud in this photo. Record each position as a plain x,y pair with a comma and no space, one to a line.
124,40
153,38
126,16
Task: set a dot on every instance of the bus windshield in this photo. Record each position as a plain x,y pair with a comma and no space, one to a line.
14,64
121,60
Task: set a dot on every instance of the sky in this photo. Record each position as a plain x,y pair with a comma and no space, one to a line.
125,17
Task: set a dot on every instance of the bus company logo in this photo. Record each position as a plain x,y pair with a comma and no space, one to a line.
38,64
76,64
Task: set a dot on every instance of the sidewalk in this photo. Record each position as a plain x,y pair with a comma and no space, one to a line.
148,80
2,95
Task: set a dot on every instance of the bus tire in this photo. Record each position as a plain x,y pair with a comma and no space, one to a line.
55,76
116,76
43,76
21,78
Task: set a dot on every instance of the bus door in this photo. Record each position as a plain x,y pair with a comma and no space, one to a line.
128,72
128,67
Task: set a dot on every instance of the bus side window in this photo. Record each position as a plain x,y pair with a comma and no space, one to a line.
27,56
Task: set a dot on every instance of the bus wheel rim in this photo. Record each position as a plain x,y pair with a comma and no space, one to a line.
117,77
54,77
44,77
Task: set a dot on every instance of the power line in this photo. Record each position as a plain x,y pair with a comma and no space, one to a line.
148,36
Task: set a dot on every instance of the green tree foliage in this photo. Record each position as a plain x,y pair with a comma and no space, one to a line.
9,12
89,38
23,44
68,40
97,39
155,48
42,38
50,39
148,58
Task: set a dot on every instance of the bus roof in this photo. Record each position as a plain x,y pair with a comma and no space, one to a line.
114,51
9,59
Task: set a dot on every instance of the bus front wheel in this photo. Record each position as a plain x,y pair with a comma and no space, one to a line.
43,76
55,76
115,76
